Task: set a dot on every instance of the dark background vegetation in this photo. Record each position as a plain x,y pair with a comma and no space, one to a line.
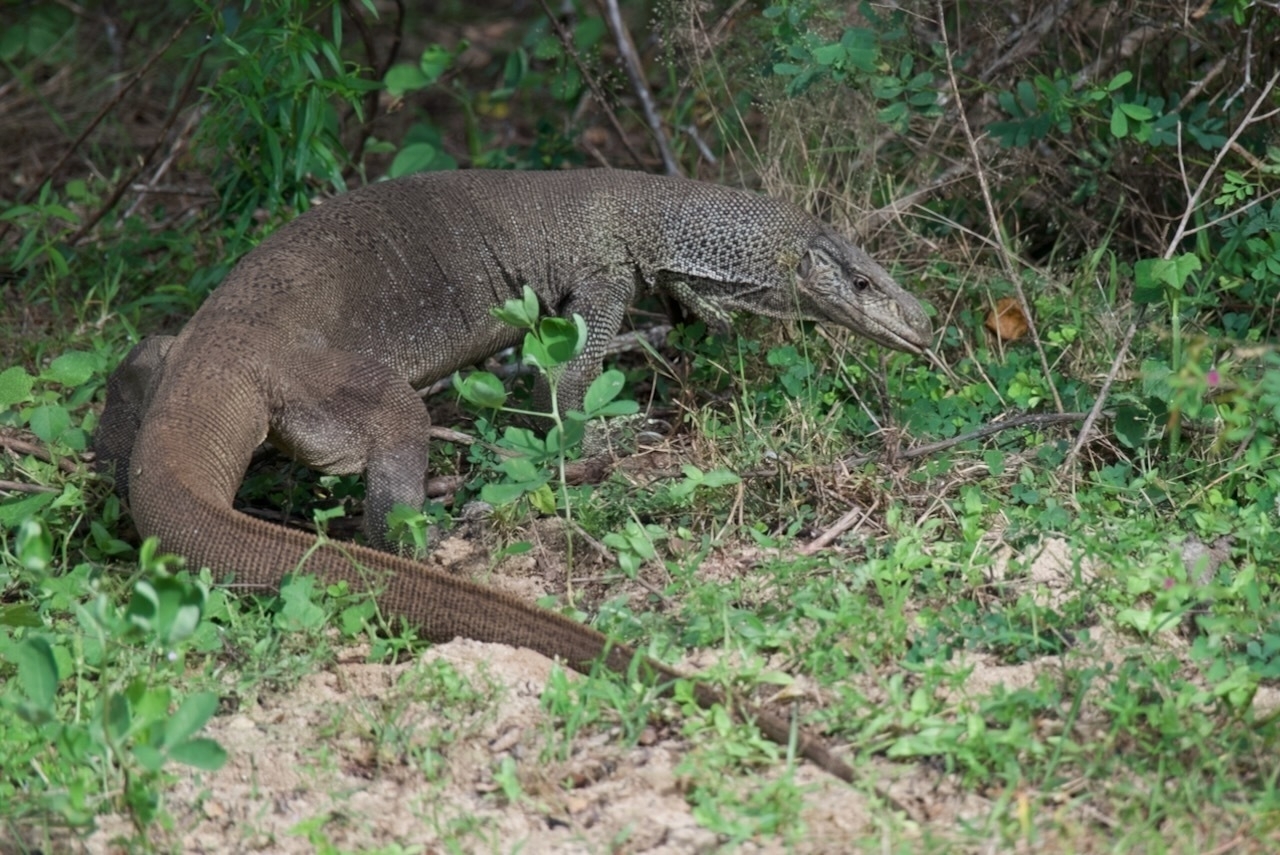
1084,190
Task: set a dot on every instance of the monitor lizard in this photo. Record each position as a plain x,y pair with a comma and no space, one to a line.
319,337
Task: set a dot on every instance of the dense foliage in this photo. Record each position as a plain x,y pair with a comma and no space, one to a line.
1088,194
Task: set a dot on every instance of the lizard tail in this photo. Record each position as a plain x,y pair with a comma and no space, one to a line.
439,606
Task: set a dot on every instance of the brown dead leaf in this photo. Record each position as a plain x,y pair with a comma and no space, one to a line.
1007,321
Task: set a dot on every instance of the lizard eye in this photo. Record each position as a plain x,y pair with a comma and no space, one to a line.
861,283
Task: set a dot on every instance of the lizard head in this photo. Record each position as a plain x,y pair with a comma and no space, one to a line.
839,283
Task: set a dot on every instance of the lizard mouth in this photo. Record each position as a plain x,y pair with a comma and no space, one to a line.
909,339
909,335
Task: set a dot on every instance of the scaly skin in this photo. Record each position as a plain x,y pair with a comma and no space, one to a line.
320,336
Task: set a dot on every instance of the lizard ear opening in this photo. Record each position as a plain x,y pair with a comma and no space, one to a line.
805,268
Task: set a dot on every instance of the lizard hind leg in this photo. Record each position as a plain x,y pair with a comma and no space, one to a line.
342,413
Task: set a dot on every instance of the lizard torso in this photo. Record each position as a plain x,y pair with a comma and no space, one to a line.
319,337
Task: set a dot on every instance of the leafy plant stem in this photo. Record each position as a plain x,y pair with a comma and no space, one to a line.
997,232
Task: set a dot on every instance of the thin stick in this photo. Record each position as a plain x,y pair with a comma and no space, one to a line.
996,231
1192,203
566,41
855,517
102,114
1024,420
123,186
631,62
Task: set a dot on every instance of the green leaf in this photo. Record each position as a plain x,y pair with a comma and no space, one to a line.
535,353
189,717
150,758
828,54
1130,427
37,671
414,157
557,341
298,610
720,478
500,495
481,389
404,78
1163,273
543,500
49,421
15,386
72,368
180,603
1121,79
1119,124
435,61
118,718
1137,112
602,390
20,614
616,408
14,512
201,753
530,305
520,469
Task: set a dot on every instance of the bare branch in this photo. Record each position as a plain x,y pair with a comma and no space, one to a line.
566,41
997,233
631,62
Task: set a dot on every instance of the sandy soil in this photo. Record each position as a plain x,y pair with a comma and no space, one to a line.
359,756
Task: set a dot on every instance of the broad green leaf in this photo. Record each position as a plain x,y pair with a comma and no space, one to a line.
118,718
434,62
828,54
500,495
1121,79
519,469
602,390
535,353
20,614
180,602
481,389
414,157
1137,112
49,421
558,341
72,368
1119,124
148,704
189,717
543,500
720,478
37,671
403,77
617,408
201,753
34,541
15,386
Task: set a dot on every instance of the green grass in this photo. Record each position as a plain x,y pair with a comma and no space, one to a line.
1006,635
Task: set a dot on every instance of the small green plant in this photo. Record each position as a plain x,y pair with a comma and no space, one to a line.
550,345
103,704
272,129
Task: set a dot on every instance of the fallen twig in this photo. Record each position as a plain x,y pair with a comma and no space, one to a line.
855,516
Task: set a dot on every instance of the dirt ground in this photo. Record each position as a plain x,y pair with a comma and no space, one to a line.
317,765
